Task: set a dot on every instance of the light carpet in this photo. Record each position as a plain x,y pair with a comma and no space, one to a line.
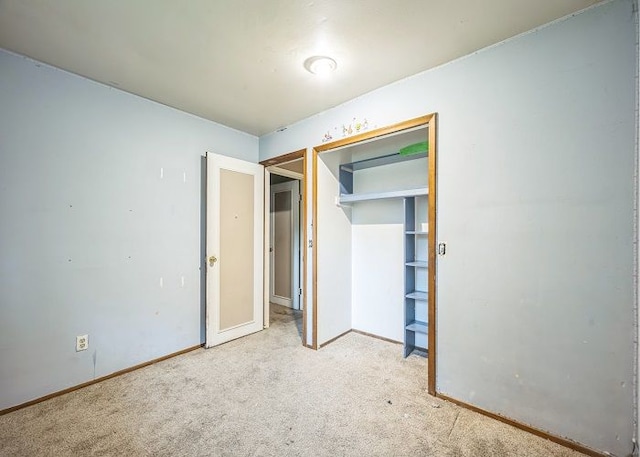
266,395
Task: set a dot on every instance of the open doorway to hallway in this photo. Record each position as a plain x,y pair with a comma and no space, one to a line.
284,242
284,237
285,247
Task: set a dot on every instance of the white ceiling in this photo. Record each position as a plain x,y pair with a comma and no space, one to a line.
239,62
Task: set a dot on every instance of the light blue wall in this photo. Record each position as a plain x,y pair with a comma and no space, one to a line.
536,160
88,227
536,169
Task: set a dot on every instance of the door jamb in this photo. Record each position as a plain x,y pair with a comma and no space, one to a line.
274,169
429,121
295,155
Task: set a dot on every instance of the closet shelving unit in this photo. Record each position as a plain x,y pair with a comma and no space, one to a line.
415,284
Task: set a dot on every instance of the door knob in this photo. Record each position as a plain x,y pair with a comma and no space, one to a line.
212,260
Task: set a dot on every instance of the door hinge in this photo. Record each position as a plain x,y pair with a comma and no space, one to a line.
300,292
310,243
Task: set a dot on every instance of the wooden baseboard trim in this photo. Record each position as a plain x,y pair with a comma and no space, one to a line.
333,339
371,335
527,428
97,380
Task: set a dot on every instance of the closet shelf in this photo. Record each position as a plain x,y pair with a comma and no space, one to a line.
417,295
417,263
379,161
417,326
352,198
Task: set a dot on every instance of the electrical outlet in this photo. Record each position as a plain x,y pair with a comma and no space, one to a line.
82,343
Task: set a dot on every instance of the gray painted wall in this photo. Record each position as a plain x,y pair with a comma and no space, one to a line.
535,200
88,227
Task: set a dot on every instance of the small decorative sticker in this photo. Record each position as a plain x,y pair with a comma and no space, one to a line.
352,128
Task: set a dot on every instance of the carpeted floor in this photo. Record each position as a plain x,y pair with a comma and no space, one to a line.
266,395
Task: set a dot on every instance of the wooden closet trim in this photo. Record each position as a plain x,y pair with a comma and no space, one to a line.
291,156
430,122
431,259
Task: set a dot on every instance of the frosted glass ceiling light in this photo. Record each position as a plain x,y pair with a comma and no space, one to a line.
320,65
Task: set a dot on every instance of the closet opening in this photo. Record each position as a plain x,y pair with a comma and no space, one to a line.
284,236
374,240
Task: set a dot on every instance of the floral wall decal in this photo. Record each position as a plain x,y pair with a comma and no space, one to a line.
357,125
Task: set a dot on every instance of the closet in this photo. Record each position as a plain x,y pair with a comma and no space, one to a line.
407,184
374,207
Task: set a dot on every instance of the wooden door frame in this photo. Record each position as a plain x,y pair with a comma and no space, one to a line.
295,155
428,121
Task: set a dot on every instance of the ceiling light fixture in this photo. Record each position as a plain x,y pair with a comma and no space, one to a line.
320,65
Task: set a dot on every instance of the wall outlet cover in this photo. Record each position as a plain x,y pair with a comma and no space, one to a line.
82,343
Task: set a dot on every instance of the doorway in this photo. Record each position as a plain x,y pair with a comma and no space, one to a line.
284,246
285,232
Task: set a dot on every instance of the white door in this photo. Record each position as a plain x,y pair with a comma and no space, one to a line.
284,281
235,190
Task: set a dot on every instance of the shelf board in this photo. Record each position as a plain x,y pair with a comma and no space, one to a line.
417,263
352,198
417,326
415,232
417,295
379,161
